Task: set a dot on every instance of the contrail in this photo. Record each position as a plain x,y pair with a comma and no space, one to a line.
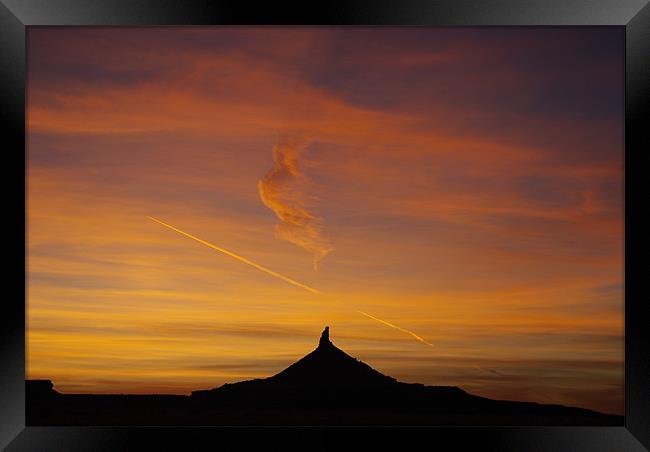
239,258
278,275
397,328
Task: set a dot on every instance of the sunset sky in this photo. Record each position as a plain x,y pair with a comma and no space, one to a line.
464,184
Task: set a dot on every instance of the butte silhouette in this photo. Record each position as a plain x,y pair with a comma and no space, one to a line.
325,387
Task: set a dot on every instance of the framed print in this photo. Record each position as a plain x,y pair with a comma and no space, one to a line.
357,224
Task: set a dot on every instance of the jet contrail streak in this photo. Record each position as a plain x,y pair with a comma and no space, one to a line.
239,258
278,275
397,328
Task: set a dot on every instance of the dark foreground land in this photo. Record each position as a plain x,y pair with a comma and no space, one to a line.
326,387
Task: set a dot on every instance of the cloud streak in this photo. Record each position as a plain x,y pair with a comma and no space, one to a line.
280,276
239,258
432,170
397,328
280,191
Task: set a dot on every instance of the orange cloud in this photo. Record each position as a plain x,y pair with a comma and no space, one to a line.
472,194
280,191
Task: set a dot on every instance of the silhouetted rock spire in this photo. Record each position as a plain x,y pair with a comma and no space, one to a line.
325,387
325,337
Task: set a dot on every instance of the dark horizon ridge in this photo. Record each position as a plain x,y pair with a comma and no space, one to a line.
325,387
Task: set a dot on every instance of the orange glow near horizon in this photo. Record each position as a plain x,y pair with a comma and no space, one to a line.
465,184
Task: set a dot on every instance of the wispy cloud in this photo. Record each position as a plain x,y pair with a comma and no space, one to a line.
467,172
281,191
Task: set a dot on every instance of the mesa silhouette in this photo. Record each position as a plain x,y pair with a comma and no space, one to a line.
326,387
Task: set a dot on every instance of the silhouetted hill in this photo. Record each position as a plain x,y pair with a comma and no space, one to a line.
327,367
326,387
330,366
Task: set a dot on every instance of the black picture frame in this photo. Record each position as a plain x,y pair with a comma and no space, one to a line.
633,15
